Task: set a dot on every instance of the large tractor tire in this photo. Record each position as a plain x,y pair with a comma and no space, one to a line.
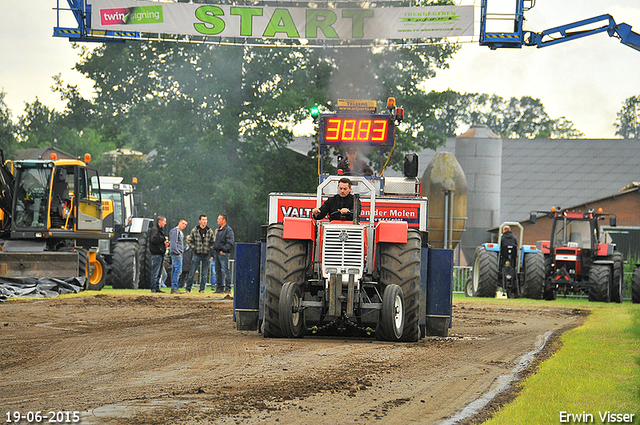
600,275
399,264
533,285
618,277
485,273
145,261
125,268
97,273
392,315
285,261
291,315
635,286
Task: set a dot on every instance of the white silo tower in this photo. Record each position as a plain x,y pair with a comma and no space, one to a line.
479,152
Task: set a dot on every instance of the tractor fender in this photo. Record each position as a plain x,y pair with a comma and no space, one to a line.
529,248
604,262
391,231
127,239
491,247
298,228
545,247
605,249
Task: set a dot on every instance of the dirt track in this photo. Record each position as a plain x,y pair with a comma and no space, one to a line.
179,359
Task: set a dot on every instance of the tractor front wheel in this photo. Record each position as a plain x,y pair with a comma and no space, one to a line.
97,272
391,322
600,276
291,315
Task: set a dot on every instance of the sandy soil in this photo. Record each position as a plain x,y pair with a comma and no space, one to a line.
161,359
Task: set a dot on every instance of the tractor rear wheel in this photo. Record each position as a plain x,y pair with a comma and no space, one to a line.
635,286
399,264
618,277
285,261
392,316
600,276
125,269
485,273
533,286
291,316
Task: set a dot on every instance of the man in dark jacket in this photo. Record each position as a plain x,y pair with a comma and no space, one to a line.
342,203
508,240
354,166
201,241
225,240
158,243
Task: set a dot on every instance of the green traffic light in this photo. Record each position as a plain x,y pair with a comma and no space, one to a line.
315,112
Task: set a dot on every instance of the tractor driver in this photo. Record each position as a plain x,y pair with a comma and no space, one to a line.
508,240
338,207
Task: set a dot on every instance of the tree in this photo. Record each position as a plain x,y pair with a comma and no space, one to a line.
628,119
7,128
515,118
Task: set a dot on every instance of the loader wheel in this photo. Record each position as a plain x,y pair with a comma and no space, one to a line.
533,286
392,315
97,273
291,317
125,269
285,261
601,277
400,265
618,277
635,286
485,273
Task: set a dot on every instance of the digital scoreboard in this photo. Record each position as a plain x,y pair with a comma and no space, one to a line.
370,129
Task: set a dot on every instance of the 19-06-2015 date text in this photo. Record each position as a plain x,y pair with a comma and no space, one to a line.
50,417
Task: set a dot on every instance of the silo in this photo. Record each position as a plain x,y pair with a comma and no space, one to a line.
479,152
444,183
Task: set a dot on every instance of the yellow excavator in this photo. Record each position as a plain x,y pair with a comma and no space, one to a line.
52,216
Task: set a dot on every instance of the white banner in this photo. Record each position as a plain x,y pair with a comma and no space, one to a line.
282,22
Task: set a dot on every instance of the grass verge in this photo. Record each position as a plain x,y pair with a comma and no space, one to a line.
596,370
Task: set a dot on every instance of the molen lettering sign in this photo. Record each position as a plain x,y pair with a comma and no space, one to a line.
282,22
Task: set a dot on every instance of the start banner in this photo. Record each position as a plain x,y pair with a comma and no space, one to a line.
282,22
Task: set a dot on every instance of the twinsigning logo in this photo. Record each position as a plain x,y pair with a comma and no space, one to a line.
132,15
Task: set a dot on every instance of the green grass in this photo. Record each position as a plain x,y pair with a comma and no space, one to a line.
597,368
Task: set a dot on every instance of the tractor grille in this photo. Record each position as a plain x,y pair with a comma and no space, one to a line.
343,250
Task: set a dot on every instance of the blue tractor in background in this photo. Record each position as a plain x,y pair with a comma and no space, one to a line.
519,271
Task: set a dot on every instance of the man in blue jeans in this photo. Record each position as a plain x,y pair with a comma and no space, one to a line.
157,244
225,240
201,241
176,249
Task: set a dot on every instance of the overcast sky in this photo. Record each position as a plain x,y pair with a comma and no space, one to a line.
585,80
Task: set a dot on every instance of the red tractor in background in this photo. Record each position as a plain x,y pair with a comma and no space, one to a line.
579,257
347,275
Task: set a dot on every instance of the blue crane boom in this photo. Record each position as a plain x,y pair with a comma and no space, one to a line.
521,37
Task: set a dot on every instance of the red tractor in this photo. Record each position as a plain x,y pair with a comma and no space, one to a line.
363,277
579,257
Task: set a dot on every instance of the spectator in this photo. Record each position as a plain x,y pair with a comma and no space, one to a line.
176,250
158,242
225,240
201,241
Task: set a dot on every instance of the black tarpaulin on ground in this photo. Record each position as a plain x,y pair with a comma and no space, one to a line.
38,286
